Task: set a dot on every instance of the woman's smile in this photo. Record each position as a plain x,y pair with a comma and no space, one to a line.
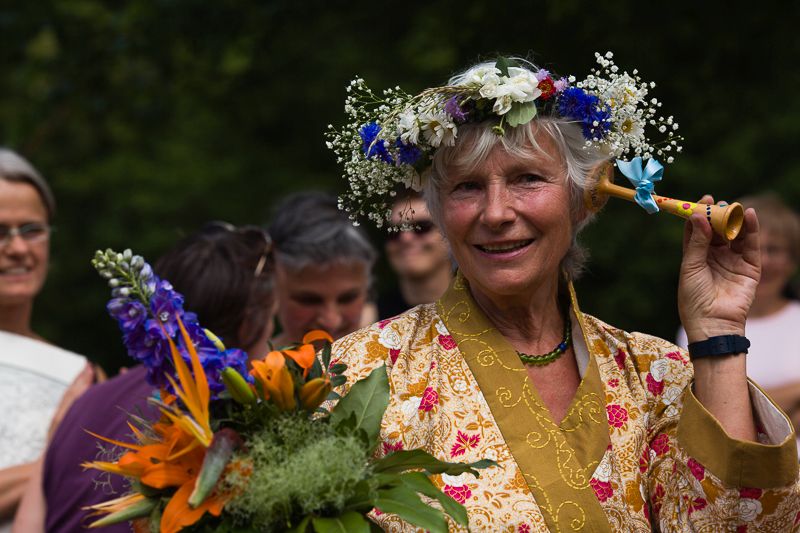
505,249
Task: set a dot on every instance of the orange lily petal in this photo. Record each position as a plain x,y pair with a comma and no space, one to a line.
317,335
304,356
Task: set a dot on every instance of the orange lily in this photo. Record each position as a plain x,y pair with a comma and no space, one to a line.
276,380
304,355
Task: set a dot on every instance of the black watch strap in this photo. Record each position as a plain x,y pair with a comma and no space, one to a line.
720,345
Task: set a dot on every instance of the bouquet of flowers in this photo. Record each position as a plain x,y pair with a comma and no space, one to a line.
240,451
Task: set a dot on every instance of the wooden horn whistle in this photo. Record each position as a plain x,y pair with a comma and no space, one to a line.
726,220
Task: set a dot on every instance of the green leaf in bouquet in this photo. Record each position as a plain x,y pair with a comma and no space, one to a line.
405,503
315,371
367,400
338,368
338,381
419,482
403,460
326,355
349,522
363,497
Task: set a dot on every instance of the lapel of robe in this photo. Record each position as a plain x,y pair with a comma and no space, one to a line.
557,460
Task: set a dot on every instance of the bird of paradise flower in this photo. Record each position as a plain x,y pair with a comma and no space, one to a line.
179,451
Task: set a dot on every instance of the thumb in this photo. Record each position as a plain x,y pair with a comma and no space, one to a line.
696,244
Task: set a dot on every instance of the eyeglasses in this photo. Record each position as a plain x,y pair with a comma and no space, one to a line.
31,232
420,227
254,232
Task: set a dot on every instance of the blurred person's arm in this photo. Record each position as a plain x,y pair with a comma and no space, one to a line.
13,481
787,397
32,507
27,496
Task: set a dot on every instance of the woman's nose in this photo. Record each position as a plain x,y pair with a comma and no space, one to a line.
15,245
498,209
330,318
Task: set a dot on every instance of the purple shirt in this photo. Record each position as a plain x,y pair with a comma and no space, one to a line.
103,410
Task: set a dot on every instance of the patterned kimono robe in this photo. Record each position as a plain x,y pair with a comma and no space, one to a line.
635,452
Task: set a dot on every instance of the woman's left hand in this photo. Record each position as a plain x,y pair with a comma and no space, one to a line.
718,279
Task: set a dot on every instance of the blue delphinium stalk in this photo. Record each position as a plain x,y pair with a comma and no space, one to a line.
147,310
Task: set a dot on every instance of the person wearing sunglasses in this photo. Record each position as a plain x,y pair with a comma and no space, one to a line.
417,253
34,374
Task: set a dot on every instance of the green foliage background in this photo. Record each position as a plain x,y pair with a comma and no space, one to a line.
150,117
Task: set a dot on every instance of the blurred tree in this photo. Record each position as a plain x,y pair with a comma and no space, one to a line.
152,116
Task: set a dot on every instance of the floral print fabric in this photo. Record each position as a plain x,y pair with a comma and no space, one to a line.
645,479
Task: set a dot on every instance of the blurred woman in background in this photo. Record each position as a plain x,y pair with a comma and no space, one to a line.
419,256
33,373
323,266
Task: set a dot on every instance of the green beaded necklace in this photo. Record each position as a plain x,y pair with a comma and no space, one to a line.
558,351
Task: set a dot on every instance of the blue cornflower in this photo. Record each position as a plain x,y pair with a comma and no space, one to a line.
573,103
407,154
577,104
373,146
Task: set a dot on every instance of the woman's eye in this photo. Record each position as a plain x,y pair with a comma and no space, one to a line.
466,186
530,178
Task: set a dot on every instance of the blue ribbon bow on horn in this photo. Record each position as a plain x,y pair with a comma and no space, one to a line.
642,177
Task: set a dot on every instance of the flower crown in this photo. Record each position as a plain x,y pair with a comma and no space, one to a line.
390,139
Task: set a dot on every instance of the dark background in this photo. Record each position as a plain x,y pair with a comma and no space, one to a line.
150,117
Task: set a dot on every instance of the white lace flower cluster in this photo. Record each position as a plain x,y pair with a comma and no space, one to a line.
630,113
389,139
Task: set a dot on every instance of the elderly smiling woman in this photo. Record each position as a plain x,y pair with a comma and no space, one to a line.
593,428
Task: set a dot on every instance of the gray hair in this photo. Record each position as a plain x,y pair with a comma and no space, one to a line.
17,169
308,228
476,141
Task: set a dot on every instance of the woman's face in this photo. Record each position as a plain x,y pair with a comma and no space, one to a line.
415,254
508,221
329,297
23,264
777,265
